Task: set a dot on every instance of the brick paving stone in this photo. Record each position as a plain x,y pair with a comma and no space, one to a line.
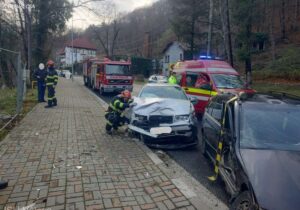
42,153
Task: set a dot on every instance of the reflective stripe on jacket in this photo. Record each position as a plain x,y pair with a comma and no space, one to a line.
118,105
52,77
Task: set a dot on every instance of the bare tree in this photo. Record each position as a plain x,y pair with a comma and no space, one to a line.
225,19
107,33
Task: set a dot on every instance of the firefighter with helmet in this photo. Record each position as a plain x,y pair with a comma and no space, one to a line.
172,79
51,82
115,113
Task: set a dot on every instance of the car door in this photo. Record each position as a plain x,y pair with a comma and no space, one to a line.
202,90
212,125
230,163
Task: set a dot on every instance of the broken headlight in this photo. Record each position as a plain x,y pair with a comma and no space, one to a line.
182,117
140,117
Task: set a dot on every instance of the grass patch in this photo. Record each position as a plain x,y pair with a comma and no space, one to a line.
8,106
286,66
286,88
8,101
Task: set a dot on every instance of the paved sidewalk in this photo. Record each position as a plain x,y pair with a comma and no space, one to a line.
61,158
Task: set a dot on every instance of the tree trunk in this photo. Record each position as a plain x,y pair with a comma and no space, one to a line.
271,29
193,22
248,43
296,16
282,20
211,11
22,30
2,80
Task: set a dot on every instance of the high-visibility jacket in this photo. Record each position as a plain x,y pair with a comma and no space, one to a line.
52,77
172,80
118,105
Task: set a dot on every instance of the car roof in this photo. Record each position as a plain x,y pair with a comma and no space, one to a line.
262,99
205,66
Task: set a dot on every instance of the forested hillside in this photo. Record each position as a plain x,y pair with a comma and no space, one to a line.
233,29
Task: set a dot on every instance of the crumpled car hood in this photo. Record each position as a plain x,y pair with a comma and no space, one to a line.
159,106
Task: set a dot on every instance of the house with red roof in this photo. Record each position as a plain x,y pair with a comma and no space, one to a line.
76,51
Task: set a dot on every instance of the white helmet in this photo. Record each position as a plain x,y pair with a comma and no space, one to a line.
41,66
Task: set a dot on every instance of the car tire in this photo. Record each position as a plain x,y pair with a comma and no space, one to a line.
242,202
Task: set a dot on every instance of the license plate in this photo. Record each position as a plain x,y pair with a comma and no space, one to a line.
160,130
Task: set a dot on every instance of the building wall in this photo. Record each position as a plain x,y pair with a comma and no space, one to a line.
78,55
174,54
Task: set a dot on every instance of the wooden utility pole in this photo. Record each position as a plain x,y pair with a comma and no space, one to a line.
209,38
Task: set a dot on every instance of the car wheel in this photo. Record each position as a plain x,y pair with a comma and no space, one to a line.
243,202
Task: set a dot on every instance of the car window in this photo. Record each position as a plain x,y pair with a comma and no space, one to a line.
191,80
227,81
216,112
173,92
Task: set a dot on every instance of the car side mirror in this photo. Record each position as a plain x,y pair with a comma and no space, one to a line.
194,100
206,86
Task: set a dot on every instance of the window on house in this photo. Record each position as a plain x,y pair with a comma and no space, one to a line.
167,59
181,57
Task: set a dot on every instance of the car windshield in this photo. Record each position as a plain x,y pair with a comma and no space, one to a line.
117,69
270,127
172,92
227,81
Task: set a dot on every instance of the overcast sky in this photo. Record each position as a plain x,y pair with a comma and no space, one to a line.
82,18
129,5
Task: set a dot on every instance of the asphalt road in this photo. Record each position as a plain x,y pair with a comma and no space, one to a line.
191,160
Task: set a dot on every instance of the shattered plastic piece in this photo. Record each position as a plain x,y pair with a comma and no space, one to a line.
54,166
79,167
31,206
147,174
37,134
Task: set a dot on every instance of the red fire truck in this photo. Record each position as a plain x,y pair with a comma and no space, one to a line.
107,75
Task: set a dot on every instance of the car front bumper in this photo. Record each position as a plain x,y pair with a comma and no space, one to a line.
181,136
116,88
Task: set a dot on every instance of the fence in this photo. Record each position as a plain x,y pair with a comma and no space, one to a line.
12,86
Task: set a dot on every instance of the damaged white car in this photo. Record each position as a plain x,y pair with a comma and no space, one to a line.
164,117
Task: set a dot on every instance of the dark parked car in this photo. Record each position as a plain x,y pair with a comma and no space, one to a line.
260,158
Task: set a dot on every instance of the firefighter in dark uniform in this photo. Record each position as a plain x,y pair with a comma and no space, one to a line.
40,75
51,82
115,113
